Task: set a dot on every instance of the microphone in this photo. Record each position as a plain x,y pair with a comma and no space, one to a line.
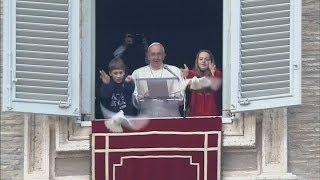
170,71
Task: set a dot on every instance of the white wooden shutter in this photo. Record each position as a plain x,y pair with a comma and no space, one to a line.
266,63
41,56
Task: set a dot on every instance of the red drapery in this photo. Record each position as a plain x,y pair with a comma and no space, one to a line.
166,149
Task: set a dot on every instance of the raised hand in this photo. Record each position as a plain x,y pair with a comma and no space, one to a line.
146,94
129,78
185,71
212,68
104,77
216,83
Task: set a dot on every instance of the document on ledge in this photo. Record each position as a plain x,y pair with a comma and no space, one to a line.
158,88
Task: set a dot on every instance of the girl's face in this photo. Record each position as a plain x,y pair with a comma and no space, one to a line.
204,61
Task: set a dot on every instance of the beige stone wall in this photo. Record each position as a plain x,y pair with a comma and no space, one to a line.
11,133
304,121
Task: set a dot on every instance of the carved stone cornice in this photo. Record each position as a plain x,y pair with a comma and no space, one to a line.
70,136
241,132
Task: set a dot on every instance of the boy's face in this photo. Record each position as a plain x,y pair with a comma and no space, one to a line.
117,75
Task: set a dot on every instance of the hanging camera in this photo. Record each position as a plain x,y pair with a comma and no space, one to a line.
138,39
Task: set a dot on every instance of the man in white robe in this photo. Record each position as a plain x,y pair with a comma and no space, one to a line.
153,107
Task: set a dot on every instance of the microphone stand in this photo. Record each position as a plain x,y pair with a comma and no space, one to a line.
184,97
184,106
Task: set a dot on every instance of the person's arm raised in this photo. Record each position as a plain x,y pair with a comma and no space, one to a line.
129,84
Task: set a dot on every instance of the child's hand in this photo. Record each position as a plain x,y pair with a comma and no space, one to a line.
185,71
212,68
129,78
146,94
104,77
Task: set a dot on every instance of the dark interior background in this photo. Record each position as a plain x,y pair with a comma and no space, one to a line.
183,27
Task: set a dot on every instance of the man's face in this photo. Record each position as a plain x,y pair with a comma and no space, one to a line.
128,39
156,56
117,75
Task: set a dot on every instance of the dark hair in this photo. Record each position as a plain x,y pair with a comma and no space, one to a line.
199,72
116,63
127,34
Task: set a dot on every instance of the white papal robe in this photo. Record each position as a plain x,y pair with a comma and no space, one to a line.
159,107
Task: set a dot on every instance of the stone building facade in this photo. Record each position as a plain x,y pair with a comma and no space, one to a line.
282,143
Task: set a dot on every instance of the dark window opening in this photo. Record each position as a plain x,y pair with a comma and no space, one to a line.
183,27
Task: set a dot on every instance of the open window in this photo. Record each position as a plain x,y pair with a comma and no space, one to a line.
259,49
182,27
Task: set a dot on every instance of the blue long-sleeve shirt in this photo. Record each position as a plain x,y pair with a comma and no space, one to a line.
118,96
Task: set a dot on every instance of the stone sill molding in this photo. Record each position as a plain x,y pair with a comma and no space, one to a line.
47,136
70,136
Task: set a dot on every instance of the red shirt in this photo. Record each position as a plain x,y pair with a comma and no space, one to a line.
205,102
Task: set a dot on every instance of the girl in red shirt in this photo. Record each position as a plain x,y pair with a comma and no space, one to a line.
204,88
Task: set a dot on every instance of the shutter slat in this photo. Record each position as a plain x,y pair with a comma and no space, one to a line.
266,57
267,92
265,8
265,30
45,97
43,83
269,50
43,76
43,20
42,5
38,54
246,4
44,62
42,12
264,37
42,90
268,78
267,43
41,68
42,27
268,22
48,1
42,48
37,40
268,15
265,64
42,34
265,71
265,85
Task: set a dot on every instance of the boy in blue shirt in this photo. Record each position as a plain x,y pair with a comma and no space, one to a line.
117,88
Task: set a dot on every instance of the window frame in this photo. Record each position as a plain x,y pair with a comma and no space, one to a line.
231,12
